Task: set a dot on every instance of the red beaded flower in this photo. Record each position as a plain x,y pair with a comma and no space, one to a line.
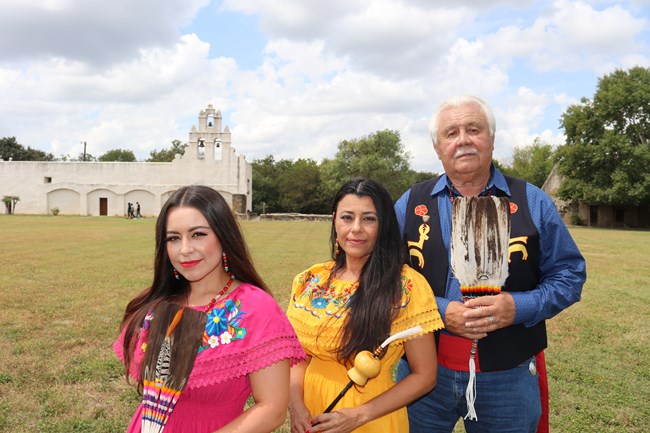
513,207
421,210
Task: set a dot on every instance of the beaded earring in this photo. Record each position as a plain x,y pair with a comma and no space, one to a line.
224,258
176,274
337,251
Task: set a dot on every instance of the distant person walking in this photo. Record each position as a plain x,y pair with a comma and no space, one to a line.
138,214
129,211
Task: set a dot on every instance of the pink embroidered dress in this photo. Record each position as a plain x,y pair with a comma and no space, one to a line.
245,332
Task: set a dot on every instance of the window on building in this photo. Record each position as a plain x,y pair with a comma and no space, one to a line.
47,179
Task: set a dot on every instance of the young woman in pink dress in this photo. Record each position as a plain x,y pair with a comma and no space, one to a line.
227,334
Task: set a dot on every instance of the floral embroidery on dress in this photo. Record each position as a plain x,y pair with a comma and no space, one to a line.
223,325
314,297
407,288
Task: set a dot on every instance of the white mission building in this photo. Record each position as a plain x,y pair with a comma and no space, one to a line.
106,188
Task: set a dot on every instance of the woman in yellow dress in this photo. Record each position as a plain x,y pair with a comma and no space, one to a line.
353,303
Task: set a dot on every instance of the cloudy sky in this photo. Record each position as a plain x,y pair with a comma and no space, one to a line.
295,77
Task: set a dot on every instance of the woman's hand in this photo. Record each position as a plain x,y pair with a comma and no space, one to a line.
421,353
339,421
300,417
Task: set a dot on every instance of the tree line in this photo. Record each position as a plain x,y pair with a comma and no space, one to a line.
605,159
304,186
11,150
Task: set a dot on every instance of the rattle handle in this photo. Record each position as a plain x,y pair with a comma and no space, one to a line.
338,397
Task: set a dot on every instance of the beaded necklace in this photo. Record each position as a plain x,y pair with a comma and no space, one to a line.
214,300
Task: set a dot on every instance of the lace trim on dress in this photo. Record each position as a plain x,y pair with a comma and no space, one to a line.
428,319
237,363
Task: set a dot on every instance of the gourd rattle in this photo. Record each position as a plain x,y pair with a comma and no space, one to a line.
367,365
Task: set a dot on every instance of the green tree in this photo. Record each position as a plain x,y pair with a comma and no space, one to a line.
287,186
420,176
304,186
10,203
265,189
299,186
502,167
11,149
623,103
532,163
167,155
380,156
607,153
84,157
118,155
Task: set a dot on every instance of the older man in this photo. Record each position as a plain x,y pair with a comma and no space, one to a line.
546,275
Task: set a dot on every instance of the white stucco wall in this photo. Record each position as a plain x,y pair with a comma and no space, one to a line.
77,188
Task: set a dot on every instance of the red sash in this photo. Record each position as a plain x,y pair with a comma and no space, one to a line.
453,352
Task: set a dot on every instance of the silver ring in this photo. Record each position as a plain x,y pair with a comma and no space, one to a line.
491,319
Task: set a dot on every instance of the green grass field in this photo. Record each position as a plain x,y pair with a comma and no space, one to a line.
64,282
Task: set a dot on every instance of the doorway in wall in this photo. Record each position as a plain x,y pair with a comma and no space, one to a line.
103,206
593,215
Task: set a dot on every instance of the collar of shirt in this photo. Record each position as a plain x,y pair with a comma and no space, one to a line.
497,181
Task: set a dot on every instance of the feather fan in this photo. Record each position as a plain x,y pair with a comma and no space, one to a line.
480,235
174,339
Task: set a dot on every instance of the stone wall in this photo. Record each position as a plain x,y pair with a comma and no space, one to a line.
294,217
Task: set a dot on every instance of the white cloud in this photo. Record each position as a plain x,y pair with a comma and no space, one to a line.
387,37
518,122
123,74
132,105
572,35
92,31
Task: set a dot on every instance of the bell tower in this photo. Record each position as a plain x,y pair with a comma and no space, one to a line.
210,159
209,141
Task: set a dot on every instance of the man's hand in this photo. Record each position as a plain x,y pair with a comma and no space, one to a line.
455,321
488,313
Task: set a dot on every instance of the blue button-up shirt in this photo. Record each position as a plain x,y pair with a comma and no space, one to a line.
562,267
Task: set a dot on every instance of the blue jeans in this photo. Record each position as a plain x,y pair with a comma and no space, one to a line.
506,401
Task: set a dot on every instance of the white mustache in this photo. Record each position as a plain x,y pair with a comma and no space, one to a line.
465,150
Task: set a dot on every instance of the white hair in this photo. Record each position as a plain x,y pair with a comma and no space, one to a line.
459,101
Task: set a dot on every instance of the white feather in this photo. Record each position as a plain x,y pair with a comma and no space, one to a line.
402,334
479,247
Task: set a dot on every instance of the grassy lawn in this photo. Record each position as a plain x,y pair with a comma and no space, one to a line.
64,282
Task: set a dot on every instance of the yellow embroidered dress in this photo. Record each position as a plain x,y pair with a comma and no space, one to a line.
317,314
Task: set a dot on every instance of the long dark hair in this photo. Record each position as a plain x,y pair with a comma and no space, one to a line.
372,307
165,286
